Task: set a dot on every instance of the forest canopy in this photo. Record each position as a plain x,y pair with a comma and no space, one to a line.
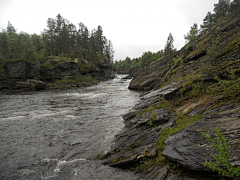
61,38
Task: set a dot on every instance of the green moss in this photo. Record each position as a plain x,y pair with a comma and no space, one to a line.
181,123
47,64
232,45
17,60
134,146
83,68
118,159
64,81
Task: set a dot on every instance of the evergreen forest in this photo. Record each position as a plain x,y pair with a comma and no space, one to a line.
60,41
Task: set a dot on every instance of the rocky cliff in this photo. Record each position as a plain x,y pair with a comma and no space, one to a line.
22,74
196,91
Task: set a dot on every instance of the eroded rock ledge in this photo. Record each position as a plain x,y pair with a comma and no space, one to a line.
191,149
138,139
206,83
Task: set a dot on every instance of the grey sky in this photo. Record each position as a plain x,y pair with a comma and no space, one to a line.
134,26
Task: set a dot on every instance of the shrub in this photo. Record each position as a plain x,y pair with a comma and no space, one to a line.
223,157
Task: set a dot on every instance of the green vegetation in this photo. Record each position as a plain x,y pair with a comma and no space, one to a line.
212,50
150,123
223,157
221,10
83,79
147,58
141,62
192,35
60,42
181,123
177,60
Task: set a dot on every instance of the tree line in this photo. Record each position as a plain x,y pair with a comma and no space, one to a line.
221,9
143,61
147,57
60,38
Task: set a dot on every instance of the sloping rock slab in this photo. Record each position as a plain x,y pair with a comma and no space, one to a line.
189,147
162,91
156,173
143,82
138,139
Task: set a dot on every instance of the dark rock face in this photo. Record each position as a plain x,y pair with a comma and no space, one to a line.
189,147
17,70
22,70
195,89
138,139
34,71
105,71
66,70
143,82
156,173
148,77
47,75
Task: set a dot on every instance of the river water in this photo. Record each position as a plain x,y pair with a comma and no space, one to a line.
56,134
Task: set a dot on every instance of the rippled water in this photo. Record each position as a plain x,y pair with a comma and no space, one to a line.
55,134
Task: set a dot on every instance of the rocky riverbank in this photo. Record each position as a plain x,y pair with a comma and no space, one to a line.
25,75
196,91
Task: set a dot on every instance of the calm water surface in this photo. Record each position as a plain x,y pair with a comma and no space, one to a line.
55,134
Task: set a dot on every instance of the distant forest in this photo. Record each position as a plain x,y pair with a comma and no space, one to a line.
61,38
221,10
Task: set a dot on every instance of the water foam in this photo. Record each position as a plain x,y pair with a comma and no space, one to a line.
60,164
13,118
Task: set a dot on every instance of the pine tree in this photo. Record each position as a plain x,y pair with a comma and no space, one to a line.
169,48
4,44
192,34
221,9
207,21
50,35
234,5
10,29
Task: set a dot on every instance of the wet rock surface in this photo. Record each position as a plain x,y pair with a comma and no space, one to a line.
191,149
138,139
57,134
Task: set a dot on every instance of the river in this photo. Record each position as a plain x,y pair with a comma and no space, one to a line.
56,134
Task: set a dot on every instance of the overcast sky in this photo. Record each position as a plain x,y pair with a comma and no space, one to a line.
133,26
